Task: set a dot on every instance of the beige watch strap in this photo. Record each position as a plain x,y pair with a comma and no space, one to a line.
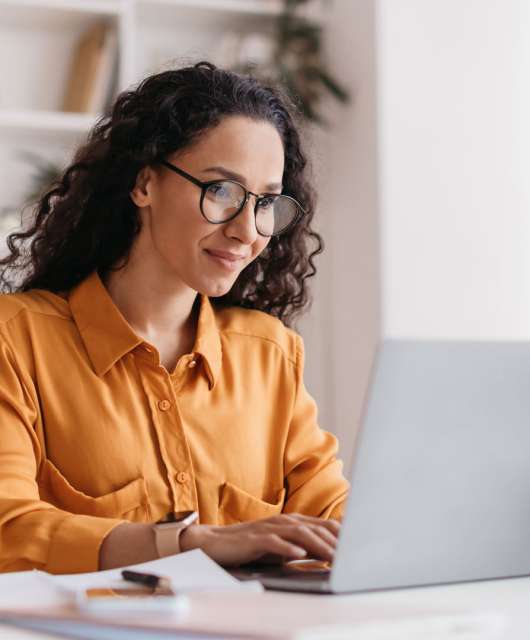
167,535
167,540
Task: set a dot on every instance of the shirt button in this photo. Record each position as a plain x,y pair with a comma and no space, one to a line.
182,477
164,405
192,363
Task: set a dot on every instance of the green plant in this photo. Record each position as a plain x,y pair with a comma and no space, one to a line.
297,61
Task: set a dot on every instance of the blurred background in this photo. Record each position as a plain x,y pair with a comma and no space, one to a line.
416,122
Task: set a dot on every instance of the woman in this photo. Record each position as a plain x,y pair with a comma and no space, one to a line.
146,370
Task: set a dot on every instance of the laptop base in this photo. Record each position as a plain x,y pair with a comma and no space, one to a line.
300,575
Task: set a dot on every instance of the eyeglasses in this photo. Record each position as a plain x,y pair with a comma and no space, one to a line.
222,200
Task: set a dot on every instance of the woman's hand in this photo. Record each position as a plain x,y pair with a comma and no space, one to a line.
285,537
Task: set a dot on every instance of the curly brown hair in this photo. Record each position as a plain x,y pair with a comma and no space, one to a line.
86,221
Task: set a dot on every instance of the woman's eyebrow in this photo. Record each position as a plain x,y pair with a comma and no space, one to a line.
232,175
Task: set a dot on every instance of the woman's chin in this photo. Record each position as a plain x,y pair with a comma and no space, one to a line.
216,289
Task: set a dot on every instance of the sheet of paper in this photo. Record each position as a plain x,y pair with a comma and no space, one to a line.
28,589
190,571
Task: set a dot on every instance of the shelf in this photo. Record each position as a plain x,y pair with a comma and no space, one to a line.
48,122
248,7
100,7
115,7
57,15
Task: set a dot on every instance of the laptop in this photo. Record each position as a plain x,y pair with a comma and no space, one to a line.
440,487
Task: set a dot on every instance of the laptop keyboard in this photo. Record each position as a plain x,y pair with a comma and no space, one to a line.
306,570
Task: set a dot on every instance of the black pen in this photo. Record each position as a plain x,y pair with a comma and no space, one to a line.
161,585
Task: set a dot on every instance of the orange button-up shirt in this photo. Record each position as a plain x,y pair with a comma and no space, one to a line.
94,431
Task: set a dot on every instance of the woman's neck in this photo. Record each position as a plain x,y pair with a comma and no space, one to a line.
159,310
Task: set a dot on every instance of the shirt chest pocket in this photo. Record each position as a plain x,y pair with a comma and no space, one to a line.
237,505
129,502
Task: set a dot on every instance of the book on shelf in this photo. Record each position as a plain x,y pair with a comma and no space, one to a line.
92,77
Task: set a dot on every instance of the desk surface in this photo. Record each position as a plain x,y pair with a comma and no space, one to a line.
493,609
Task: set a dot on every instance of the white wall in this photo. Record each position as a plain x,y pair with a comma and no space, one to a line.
454,122
424,184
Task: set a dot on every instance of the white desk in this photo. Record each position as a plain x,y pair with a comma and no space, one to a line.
484,610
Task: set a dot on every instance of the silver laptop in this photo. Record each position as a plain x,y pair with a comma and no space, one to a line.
441,477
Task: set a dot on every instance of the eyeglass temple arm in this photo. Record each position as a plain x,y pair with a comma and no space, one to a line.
182,173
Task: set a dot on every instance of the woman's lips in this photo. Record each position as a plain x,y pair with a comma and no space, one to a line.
224,259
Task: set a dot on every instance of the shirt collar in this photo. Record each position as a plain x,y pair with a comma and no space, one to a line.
208,340
108,336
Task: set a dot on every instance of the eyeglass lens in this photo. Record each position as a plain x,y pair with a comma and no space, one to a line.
223,199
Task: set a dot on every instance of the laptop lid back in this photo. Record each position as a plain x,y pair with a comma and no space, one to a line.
441,476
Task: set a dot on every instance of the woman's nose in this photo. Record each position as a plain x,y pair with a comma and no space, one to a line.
243,226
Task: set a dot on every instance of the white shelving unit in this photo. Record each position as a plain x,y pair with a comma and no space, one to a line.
37,40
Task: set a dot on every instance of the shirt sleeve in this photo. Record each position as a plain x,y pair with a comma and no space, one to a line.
33,533
315,483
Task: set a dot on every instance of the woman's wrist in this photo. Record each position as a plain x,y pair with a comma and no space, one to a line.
193,537
128,543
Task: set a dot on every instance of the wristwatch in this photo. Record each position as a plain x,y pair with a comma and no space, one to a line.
167,534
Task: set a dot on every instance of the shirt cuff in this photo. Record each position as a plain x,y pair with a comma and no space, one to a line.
76,542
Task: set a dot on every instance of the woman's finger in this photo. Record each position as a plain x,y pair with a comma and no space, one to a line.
272,543
323,532
304,536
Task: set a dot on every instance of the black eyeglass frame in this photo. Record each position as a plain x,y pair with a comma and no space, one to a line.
259,196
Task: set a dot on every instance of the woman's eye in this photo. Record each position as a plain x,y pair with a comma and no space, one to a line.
218,190
267,202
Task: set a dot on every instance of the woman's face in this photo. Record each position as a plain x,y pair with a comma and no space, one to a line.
177,237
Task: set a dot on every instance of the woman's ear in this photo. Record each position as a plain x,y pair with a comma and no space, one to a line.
140,193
